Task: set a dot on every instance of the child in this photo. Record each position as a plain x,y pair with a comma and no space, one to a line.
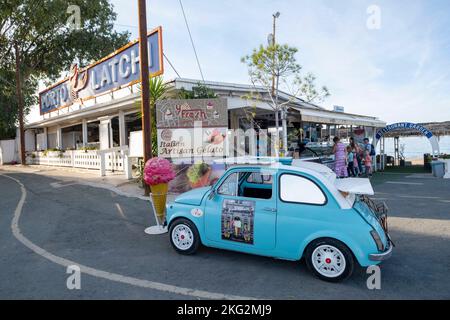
368,163
356,162
350,162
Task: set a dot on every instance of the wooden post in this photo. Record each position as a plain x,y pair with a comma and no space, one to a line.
145,94
20,105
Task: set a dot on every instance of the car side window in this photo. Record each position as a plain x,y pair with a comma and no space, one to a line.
230,186
260,178
305,191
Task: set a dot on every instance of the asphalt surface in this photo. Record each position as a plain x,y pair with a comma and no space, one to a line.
104,231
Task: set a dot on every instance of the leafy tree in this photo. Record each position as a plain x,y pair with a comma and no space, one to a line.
8,102
158,90
47,41
42,34
198,92
273,67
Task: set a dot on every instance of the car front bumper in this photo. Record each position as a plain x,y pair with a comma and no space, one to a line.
382,256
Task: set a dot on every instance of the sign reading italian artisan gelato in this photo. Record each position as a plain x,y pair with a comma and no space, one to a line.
118,70
192,128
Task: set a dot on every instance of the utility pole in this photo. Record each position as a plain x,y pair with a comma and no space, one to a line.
273,42
275,91
145,94
20,105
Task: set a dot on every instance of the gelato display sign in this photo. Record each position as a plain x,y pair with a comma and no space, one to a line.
117,70
192,128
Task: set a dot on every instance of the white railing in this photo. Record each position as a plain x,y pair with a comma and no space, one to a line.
114,159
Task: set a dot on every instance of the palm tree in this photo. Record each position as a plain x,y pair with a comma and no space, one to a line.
158,90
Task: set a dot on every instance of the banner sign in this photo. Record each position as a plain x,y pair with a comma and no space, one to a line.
183,113
404,126
116,71
192,128
187,143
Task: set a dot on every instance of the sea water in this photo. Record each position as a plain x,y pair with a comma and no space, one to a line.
415,147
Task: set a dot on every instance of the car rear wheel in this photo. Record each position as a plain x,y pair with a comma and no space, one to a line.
184,236
330,260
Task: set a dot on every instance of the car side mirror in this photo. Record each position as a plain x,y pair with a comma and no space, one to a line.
212,194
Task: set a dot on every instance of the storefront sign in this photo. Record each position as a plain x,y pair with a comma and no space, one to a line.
183,113
411,126
192,128
404,126
118,70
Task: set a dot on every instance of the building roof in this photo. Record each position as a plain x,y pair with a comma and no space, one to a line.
236,88
111,103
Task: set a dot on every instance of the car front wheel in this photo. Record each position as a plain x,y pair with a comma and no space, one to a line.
184,236
330,260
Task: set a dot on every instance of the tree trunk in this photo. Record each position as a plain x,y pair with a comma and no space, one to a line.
277,120
277,134
20,106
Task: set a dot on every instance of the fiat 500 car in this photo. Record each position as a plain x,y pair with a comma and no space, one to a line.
287,212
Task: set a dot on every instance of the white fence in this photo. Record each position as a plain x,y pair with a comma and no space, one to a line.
90,159
7,151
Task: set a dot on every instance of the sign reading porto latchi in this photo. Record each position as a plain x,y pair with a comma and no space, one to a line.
118,70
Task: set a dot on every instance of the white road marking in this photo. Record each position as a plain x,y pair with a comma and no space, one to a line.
119,208
105,274
407,183
58,185
417,197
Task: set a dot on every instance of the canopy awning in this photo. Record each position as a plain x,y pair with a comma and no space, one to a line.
332,117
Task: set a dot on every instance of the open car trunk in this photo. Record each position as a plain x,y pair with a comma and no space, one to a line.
360,186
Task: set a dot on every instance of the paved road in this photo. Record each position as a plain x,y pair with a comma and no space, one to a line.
103,231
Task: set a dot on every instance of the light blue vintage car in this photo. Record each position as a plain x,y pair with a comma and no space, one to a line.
286,210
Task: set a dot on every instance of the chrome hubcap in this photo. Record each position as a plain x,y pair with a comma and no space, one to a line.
182,237
328,261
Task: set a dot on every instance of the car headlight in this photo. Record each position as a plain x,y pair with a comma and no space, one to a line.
377,239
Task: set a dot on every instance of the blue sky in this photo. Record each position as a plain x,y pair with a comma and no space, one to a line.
400,72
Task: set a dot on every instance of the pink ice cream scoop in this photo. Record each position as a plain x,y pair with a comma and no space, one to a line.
158,170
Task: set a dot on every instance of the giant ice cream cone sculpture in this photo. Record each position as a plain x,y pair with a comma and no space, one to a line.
158,173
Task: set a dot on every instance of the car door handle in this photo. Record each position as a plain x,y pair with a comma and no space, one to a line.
270,209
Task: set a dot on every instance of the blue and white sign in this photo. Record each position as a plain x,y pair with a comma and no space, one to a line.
118,70
410,126
404,126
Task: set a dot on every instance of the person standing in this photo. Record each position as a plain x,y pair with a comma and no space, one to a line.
350,162
340,157
371,149
359,154
368,163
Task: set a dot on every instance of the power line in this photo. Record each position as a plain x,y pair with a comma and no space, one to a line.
170,63
192,41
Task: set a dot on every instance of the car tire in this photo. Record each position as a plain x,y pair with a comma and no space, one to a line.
184,236
329,260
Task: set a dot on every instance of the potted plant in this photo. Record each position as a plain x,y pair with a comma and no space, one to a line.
198,174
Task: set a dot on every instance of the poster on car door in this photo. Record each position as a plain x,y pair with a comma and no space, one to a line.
238,220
